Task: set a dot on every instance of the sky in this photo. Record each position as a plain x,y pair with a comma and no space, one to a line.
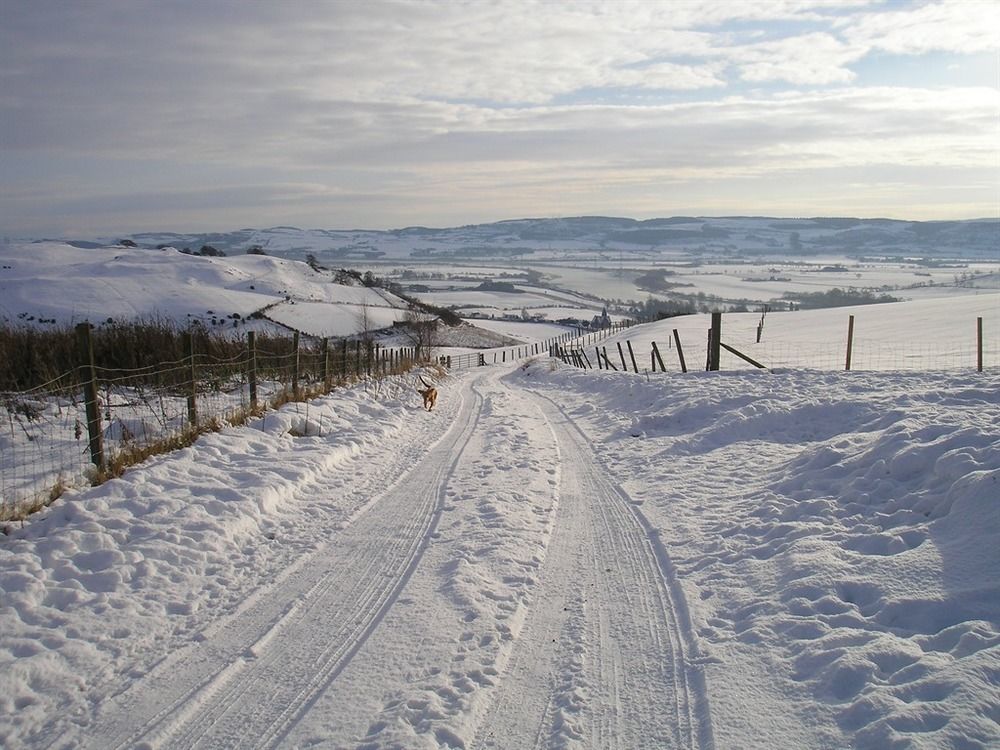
122,116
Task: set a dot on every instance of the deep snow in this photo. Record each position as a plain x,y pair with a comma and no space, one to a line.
555,557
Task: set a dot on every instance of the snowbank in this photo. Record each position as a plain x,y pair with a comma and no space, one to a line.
836,536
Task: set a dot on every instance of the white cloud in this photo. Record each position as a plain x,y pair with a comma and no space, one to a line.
376,102
962,26
815,58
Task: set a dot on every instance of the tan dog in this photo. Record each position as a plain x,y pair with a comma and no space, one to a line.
429,394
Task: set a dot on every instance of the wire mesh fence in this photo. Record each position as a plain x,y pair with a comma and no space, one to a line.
50,442
643,354
123,396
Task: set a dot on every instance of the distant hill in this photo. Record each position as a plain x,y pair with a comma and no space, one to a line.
542,238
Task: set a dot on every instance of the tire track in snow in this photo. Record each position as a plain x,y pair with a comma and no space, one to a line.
607,657
255,673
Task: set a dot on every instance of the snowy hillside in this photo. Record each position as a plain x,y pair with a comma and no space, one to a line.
58,283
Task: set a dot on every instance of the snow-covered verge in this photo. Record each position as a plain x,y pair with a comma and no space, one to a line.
837,536
107,579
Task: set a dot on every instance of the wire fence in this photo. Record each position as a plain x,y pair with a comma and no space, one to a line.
974,352
91,422
506,354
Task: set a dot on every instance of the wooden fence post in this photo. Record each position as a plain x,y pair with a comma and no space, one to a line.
850,341
252,368
192,403
295,365
325,364
610,365
343,360
656,353
88,379
680,350
600,365
621,353
631,354
979,344
714,339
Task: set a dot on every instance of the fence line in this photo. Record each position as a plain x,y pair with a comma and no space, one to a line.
522,351
92,422
88,424
973,353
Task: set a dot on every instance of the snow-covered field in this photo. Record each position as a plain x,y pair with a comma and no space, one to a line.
552,558
56,282
932,334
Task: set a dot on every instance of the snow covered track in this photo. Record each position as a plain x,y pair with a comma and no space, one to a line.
606,658
552,558
251,676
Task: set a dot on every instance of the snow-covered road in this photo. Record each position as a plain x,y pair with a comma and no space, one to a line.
553,558
499,591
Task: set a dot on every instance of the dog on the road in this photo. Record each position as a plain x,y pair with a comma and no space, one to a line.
429,393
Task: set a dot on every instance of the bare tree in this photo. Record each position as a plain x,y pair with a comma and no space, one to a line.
422,331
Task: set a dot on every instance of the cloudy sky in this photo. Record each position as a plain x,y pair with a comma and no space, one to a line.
129,115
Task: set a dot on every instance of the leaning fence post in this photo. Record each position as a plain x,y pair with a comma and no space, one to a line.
656,353
979,344
192,402
252,368
608,361
88,379
850,341
631,354
680,351
621,353
600,365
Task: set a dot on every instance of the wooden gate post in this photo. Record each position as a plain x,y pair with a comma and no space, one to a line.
88,379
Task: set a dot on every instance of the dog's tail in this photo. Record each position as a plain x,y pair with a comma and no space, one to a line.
426,384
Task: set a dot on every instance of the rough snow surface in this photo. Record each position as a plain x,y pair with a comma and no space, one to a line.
552,558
